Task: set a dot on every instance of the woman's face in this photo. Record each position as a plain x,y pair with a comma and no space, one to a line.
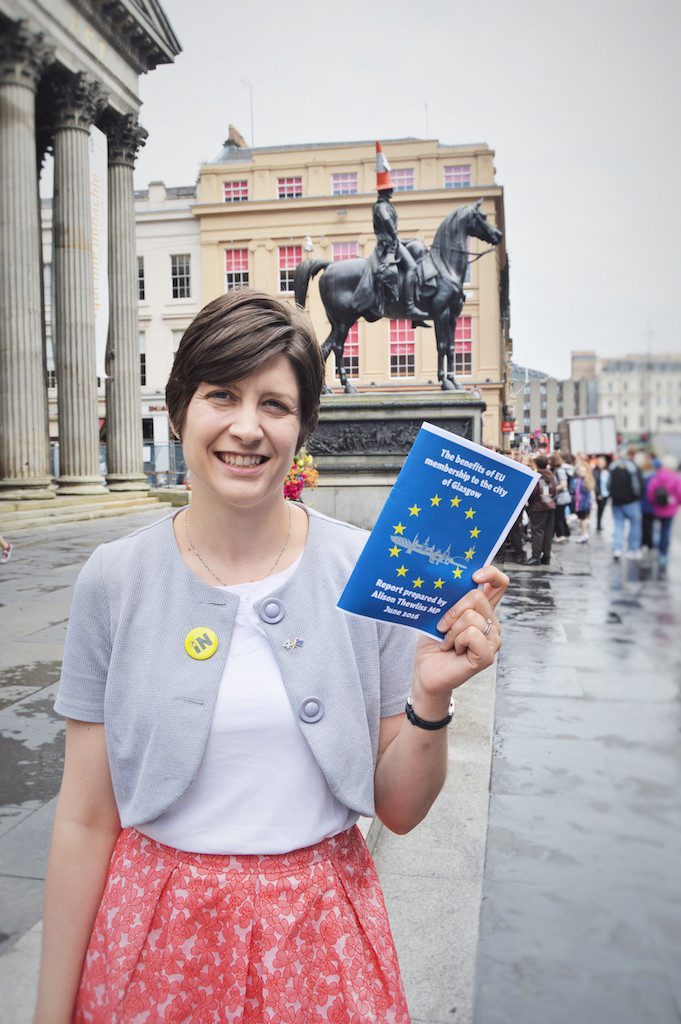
239,439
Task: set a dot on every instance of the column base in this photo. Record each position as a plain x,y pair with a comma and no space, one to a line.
81,485
40,489
125,482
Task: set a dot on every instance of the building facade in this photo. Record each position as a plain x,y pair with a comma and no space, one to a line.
261,211
64,68
539,402
642,392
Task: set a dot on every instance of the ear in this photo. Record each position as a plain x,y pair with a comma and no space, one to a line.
478,203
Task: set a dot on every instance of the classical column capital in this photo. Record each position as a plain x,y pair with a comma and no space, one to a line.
24,55
78,100
126,135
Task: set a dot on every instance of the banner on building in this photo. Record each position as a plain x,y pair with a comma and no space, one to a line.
99,202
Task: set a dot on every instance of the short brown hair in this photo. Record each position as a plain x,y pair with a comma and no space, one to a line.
238,333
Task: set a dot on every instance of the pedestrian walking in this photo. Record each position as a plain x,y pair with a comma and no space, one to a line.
647,467
602,491
626,488
542,509
227,725
583,485
664,495
563,498
6,549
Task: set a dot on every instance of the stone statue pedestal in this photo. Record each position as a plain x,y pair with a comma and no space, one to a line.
361,442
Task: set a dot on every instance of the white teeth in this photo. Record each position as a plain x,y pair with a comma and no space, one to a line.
239,460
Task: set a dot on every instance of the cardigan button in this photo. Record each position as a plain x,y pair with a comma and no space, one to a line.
272,611
311,710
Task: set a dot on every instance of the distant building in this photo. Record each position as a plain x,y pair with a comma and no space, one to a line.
643,392
539,402
583,365
257,207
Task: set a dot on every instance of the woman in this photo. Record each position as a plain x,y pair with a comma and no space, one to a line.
664,494
583,485
542,509
563,497
602,490
205,852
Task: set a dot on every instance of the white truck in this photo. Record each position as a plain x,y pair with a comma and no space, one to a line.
589,435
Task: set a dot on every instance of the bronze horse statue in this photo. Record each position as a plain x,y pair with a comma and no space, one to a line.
441,274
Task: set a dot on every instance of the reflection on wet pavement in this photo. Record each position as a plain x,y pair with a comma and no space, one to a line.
581,917
35,597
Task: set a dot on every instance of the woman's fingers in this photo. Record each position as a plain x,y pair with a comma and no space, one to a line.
494,583
470,618
480,650
475,600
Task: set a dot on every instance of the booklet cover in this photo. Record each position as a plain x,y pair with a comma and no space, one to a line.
447,515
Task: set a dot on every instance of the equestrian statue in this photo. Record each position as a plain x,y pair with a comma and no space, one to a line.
400,280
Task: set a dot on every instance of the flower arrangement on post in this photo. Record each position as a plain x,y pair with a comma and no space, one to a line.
301,474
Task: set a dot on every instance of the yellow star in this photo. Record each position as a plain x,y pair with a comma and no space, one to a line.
439,584
418,582
470,513
394,551
457,573
436,500
402,571
414,510
469,554
475,532
398,529
455,502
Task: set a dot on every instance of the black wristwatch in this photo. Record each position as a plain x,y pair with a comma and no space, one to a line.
422,723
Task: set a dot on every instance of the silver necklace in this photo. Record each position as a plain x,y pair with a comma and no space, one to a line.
208,568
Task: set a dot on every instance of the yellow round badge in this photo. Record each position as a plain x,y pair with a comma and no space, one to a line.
201,643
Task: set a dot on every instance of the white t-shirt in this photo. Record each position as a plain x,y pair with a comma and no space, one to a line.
259,788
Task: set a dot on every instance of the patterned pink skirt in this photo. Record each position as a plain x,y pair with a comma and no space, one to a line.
195,938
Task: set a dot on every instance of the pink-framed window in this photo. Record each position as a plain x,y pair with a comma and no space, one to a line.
457,176
236,269
463,346
343,251
289,258
236,191
345,183
289,188
351,352
402,349
403,179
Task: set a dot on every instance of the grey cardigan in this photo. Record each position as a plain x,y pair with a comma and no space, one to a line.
125,664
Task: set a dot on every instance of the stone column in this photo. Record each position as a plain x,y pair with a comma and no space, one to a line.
78,101
123,394
24,443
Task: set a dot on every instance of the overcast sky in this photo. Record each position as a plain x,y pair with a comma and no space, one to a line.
580,101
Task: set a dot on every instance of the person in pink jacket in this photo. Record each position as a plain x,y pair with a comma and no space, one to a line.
664,494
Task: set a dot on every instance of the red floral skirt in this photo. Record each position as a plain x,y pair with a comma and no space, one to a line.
196,938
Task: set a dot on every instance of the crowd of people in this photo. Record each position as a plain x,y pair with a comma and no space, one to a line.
643,491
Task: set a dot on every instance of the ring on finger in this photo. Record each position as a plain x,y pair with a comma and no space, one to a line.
487,628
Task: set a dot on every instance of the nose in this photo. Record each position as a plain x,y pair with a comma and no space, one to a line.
245,423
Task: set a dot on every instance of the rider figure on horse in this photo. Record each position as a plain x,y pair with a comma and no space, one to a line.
390,252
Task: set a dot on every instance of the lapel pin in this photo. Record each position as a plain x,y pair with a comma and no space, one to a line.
290,645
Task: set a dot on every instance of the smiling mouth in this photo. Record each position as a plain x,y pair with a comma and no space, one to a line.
241,460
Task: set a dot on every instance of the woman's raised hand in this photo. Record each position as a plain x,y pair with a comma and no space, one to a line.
471,639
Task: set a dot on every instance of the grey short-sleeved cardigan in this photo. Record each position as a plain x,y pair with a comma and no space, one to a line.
125,664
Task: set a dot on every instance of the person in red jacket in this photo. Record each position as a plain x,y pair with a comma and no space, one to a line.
664,494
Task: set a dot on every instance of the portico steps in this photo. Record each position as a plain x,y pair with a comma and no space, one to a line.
33,514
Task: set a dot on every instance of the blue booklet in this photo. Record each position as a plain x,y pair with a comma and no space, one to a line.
447,515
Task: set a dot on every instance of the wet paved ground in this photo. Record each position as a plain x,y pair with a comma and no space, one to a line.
581,915
35,597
